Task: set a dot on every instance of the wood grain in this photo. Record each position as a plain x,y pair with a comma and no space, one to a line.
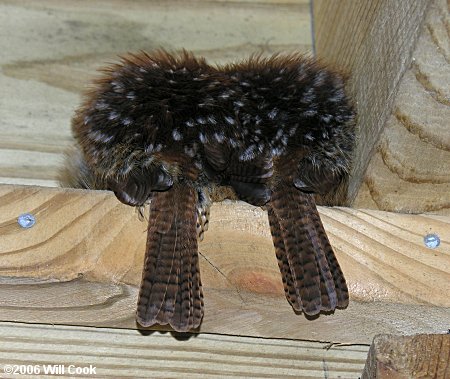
372,41
52,48
127,354
81,264
410,172
399,357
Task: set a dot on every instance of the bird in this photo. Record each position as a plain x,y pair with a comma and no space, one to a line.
169,129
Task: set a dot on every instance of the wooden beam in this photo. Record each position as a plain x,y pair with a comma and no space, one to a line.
401,357
127,354
372,41
81,264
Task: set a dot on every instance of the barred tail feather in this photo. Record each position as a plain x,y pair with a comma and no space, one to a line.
171,290
312,278
283,263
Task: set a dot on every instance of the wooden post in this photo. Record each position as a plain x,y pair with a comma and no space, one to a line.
410,171
373,42
402,357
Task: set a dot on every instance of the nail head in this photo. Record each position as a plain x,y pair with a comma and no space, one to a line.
432,241
26,220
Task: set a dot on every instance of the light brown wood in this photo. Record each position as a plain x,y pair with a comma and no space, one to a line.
410,171
372,41
62,44
127,354
81,264
399,357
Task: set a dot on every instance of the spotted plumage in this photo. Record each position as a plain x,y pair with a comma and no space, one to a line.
171,128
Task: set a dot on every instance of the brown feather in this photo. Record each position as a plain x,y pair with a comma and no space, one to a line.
171,263
340,284
314,281
283,262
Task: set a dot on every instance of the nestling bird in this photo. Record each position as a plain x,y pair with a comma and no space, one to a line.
169,128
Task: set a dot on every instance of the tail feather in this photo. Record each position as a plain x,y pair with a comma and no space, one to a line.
165,285
298,234
313,279
327,286
197,293
171,264
283,262
340,286
153,305
183,315
203,210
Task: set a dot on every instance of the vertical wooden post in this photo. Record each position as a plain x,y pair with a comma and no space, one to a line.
372,41
401,357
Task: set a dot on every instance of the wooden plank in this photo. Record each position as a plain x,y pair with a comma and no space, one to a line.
81,264
410,171
372,41
399,357
127,354
64,42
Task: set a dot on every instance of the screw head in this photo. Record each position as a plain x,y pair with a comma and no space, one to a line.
26,220
432,241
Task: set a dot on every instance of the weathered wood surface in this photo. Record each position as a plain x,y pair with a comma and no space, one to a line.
51,49
127,354
372,41
81,264
400,357
410,171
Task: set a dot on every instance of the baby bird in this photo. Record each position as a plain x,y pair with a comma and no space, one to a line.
169,128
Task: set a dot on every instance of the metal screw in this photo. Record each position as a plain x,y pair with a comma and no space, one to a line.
26,220
432,241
